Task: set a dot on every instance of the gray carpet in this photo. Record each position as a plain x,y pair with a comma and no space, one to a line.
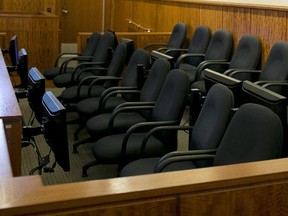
29,156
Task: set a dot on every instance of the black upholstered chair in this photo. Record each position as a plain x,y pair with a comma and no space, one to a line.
219,48
101,57
254,133
168,110
273,74
98,125
89,50
198,45
74,94
176,40
246,56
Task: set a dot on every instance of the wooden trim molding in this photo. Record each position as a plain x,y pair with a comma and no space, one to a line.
259,4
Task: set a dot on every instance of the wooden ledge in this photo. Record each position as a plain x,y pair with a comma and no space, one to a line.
258,4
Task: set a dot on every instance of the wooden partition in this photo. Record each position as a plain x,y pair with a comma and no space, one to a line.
248,189
36,32
11,115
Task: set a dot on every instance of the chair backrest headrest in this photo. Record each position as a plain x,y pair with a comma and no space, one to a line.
178,36
213,118
106,42
220,45
139,57
199,43
247,53
117,63
255,133
155,80
276,65
92,44
172,98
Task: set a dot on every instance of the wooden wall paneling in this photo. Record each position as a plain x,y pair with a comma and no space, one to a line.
37,34
237,21
211,16
187,13
122,10
152,207
266,199
50,6
43,43
270,26
24,6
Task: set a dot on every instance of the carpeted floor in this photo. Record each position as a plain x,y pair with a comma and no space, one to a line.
29,156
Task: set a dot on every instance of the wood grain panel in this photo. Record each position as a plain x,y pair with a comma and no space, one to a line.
38,34
186,13
211,16
154,207
270,26
22,5
254,200
237,21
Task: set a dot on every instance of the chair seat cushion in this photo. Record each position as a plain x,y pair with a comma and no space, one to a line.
65,79
51,73
98,125
190,70
90,106
108,149
199,85
69,95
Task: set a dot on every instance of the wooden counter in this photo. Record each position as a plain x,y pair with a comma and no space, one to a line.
11,115
248,189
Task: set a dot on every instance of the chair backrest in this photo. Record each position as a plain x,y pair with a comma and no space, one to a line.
213,118
171,102
139,57
178,36
92,43
199,43
117,64
154,82
255,133
276,65
106,42
220,46
247,53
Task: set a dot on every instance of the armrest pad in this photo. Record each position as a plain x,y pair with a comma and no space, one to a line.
138,126
160,166
186,55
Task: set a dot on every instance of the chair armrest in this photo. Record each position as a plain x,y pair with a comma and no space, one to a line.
154,44
109,92
62,55
138,126
271,83
79,70
182,57
160,128
208,63
175,50
233,73
164,163
136,103
65,64
91,80
187,153
125,109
